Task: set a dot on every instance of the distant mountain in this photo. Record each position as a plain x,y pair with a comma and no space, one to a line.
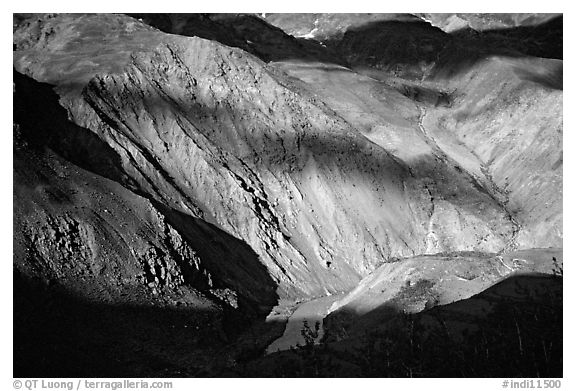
214,172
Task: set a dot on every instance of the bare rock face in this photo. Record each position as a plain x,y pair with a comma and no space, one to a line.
482,22
214,133
101,272
224,166
409,45
245,31
66,236
325,27
81,230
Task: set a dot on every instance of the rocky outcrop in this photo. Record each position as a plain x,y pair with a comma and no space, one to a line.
236,168
74,228
245,31
216,134
89,233
409,46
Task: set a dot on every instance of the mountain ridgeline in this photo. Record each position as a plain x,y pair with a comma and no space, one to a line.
214,171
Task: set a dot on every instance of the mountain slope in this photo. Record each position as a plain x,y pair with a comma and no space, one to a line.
216,134
220,171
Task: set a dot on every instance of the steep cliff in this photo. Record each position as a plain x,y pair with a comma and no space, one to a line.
217,134
221,167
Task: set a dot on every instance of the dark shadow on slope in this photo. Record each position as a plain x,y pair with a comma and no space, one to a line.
551,76
44,123
60,334
543,40
395,46
513,329
57,334
358,158
416,91
233,262
244,31
407,49
401,47
353,154
272,43
519,288
426,95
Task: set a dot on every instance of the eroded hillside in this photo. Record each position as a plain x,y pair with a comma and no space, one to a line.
221,165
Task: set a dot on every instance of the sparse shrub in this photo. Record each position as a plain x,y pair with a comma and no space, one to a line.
310,335
518,337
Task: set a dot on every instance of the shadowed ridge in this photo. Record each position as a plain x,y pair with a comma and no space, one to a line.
410,48
59,334
44,123
102,276
407,46
232,261
512,329
244,31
